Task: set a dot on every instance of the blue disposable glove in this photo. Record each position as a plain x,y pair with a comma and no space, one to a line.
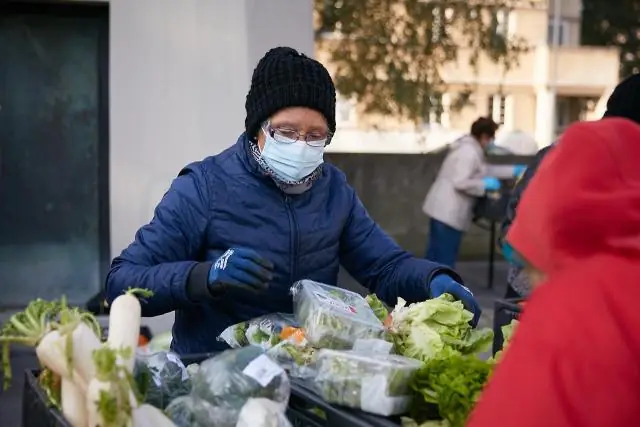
491,183
519,170
444,284
511,255
240,269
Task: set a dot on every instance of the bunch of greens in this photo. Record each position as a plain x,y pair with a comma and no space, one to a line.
448,388
191,411
332,317
224,380
436,328
161,377
223,384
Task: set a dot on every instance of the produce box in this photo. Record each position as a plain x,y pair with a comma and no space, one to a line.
374,383
306,408
505,310
332,317
36,410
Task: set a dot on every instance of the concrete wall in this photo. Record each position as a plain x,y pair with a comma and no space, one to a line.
179,75
393,187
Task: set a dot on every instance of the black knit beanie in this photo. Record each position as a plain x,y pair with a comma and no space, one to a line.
286,78
625,100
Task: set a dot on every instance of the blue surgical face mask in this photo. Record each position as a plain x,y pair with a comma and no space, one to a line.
291,160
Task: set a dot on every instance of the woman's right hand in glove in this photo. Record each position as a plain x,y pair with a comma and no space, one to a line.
240,269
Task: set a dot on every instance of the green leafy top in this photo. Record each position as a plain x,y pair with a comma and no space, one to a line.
29,326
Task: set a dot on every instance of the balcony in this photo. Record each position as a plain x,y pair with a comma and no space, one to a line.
581,70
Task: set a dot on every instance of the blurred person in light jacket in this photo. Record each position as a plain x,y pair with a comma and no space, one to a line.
573,360
623,102
461,180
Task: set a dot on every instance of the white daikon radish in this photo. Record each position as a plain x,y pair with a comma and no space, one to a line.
51,353
149,416
124,324
73,404
99,398
110,399
79,343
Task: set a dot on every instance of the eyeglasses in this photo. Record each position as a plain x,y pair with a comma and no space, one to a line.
286,135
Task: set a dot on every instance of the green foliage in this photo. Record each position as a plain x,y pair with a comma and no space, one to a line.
606,24
389,54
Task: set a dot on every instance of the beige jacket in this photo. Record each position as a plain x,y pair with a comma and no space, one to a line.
458,184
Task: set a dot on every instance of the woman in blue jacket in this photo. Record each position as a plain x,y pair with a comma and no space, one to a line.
237,229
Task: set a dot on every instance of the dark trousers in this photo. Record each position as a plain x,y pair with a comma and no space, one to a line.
444,243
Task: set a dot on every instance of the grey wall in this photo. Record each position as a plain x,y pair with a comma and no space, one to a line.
393,187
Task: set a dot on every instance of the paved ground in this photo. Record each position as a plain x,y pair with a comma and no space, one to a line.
474,273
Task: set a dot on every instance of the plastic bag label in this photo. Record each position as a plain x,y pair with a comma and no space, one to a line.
333,302
263,370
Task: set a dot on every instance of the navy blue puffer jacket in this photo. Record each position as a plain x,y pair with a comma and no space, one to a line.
226,201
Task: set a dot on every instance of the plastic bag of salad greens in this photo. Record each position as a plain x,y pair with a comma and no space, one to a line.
262,412
296,359
264,331
161,377
332,317
229,379
187,411
375,383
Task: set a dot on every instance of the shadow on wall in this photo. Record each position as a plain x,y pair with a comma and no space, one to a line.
393,187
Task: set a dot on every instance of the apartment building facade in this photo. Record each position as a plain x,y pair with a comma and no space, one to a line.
553,85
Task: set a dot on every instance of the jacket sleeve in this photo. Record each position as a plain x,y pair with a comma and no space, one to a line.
583,373
465,165
516,193
163,256
378,263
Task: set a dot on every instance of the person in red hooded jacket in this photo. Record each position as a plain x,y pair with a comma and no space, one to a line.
574,360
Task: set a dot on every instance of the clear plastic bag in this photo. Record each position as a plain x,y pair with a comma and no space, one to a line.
375,383
161,377
264,331
262,412
191,411
332,317
229,379
297,360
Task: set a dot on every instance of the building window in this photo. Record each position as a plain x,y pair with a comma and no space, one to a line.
441,19
496,107
434,110
344,110
563,29
501,22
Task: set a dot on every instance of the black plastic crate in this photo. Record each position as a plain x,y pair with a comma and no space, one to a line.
504,311
304,408
36,409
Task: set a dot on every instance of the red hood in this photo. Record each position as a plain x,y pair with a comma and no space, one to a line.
584,199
